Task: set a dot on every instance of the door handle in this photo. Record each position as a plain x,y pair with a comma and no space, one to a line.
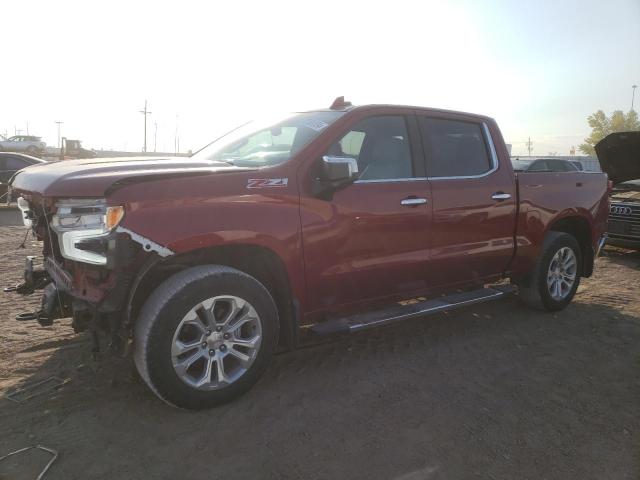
412,202
500,196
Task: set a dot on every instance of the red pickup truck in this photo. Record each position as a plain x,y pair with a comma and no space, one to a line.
324,221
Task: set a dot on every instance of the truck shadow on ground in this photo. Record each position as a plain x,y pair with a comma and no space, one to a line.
497,389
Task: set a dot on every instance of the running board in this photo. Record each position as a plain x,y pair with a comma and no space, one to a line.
411,309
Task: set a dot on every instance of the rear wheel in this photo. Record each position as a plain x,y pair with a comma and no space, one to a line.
556,275
205,336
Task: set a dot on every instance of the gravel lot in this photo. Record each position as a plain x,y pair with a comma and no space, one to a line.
496,391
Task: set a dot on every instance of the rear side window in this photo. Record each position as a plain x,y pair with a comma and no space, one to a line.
16,164
454,148
538,166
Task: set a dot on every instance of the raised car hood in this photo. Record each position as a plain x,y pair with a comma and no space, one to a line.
95,177
619,156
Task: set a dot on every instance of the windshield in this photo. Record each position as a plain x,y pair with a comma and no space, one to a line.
268,142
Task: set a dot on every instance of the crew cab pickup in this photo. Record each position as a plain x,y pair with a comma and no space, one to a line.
324,222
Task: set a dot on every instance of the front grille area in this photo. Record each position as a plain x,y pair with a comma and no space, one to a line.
624,219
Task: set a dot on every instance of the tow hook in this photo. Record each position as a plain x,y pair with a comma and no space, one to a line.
38,280
33,279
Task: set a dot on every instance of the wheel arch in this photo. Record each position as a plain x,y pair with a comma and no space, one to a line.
580,228
260,262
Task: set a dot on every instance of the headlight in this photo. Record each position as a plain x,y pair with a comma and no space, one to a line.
77,221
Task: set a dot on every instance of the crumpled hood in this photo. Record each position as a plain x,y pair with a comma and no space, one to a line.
619,156
95,177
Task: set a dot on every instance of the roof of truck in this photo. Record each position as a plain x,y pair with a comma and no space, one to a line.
340,105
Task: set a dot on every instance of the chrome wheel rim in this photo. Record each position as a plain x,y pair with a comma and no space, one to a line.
216,342
562,273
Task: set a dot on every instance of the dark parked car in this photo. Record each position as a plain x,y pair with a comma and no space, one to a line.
326,221
10,163
543,165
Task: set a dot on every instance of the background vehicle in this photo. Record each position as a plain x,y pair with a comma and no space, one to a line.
577,164
10,163
619,154
73,149
544,165
337,220
23,143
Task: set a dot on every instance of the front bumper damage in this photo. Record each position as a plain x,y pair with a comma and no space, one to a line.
96,297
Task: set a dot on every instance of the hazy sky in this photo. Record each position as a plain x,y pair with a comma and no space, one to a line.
538,67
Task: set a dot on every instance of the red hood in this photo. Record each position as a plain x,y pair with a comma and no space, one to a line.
96,177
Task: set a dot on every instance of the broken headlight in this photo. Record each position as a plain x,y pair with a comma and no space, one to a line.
83,224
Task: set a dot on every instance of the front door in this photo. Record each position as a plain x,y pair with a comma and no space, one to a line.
370,241
474,201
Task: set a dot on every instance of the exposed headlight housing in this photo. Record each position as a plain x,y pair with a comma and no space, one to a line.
81,220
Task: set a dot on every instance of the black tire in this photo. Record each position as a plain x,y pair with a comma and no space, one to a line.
161,315
534,290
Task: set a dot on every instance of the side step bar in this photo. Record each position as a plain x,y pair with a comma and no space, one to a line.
399,312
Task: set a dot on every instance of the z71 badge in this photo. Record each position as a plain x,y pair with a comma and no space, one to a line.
267,182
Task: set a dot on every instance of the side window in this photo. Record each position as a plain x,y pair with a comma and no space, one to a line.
16,164
381,147
538,166
455,148
556,166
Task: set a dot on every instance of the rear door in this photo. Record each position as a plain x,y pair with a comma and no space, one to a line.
371,240
473,198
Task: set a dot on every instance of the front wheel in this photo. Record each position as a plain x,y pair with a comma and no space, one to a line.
205,336
556,275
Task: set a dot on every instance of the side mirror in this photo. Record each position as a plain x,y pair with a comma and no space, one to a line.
339,169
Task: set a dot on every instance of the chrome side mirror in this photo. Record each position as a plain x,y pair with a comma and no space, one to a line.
339,169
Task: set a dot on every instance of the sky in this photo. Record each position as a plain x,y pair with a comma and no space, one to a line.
539,68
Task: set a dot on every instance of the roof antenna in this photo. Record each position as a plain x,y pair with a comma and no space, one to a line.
339,104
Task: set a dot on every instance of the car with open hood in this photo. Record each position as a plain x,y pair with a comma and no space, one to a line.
619,155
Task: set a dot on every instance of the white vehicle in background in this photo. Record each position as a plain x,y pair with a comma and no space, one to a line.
23,143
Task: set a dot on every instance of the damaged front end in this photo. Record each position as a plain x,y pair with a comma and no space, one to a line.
89,267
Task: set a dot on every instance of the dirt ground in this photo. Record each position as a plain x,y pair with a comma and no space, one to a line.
496,391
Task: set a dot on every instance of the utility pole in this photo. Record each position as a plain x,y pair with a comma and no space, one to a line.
155,136
58,123
176,141
529,146
145,112
633,94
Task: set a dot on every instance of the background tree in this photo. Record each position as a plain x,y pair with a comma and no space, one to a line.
601,126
